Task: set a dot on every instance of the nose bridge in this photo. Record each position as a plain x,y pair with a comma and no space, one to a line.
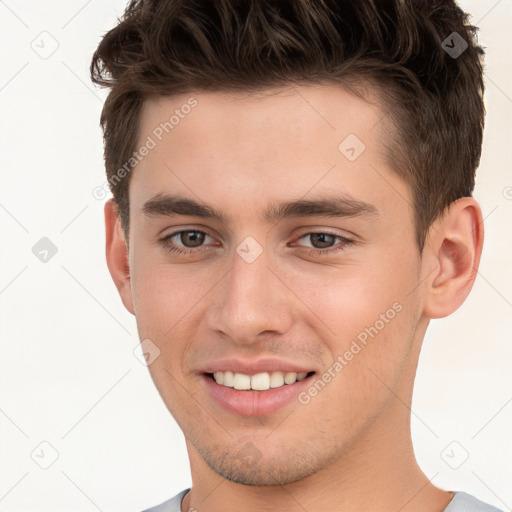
251,299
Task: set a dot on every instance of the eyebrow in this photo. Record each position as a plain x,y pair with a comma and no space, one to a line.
324,206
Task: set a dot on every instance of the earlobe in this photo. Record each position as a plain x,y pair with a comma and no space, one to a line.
453,250
117,254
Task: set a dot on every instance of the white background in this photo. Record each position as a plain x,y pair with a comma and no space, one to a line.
69,376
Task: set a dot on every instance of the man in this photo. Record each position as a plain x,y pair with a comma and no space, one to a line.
292,205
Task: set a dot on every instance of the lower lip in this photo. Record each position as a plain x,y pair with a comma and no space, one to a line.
255,403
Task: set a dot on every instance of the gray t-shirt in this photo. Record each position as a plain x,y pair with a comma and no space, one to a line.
461,502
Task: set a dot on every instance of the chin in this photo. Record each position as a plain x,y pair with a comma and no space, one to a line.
247,465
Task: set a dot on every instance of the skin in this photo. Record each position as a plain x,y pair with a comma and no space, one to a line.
350,447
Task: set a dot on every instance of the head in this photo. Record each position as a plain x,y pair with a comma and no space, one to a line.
292,185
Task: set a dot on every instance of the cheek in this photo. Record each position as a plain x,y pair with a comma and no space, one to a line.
348,299
163,294
151,301
370,314
367,363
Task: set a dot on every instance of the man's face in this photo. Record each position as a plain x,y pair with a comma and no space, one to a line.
258,292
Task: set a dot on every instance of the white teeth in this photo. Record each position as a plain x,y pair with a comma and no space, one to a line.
229,379
277,379
290,377
259,382
242,381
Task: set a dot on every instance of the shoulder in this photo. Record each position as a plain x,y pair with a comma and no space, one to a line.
463,502
172,505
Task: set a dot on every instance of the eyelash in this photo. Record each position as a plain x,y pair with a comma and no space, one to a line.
345,242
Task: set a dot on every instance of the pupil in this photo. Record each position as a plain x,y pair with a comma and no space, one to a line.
324,239
192,238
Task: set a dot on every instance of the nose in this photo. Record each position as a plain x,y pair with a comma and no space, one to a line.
251,300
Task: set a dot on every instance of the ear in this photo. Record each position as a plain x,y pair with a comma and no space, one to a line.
117,254
451,257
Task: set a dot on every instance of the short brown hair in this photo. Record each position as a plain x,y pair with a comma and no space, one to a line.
433,98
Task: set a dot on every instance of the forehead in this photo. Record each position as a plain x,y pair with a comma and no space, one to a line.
241,150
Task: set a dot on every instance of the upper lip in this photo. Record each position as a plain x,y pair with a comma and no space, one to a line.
253,366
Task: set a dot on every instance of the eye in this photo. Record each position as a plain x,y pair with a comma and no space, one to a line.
325,243
184,242
321,240
192,240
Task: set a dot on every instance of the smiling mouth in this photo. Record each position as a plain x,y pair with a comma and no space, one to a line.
262,381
